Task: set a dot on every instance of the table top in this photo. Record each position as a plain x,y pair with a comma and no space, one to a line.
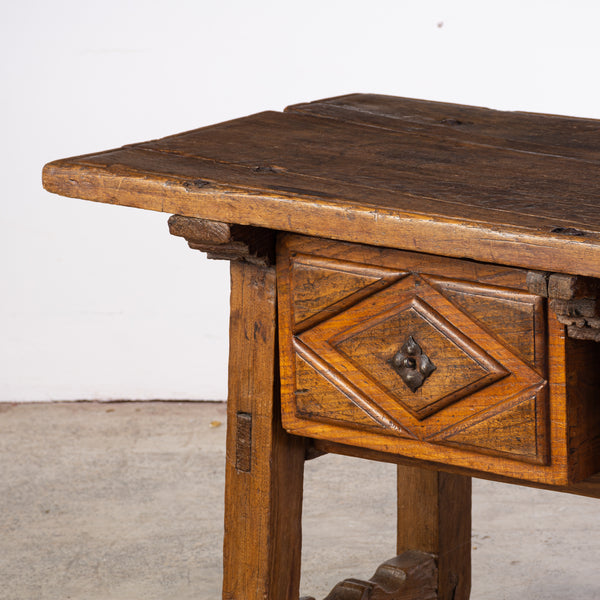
504,187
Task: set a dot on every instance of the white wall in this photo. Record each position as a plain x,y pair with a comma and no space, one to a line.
99,302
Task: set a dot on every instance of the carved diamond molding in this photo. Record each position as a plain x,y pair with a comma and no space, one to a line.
438,365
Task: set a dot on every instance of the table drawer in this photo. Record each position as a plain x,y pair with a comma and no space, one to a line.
433,358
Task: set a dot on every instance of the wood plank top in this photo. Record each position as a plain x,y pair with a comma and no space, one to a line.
504,187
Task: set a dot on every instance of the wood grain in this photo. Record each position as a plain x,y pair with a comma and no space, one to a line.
486,405
373,332
515,318
496,401
263,491
321,400
512,431
553,135
575,300
340,283
225,241
434,516
508,188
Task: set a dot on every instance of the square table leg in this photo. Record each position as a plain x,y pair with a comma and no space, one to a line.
434,516
265,465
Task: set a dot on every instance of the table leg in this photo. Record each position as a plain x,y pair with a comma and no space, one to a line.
434,543
264,472
434,516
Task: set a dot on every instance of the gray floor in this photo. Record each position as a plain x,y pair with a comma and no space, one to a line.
124,502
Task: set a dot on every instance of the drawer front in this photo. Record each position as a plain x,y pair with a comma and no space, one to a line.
428,357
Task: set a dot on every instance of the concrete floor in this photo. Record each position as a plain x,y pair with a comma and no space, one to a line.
124,502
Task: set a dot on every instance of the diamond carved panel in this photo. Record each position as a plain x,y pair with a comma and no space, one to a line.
474,373
515,318
322,287
370,346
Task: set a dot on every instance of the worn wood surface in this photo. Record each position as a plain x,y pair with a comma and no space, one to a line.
264,470
511,188
500,394
225,241
530,132
574,299
410,576
434,516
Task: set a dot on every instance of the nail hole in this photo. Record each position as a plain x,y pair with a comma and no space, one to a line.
267,169
568,231
197,183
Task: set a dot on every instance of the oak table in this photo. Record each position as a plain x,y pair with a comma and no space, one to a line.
412,282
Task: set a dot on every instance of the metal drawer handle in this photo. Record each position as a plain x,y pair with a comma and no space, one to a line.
412,364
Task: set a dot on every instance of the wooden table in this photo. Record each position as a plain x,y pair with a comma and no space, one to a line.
412,282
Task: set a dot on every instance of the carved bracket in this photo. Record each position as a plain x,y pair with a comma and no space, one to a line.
410,576
223,241
575,300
